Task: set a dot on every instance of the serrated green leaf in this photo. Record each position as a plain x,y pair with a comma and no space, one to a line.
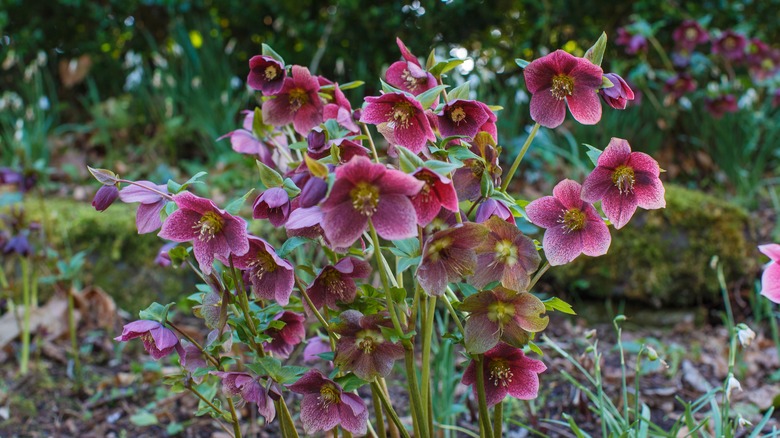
427,98
408,160
459,92
268,51
593,154
558,304
522,63
442,67
596,53
235,206
269,177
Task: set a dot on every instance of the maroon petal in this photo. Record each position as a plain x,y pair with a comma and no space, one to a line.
488,270
643,163
377,110
432,278
426,208
597,184
353,414
307,117
354,268
547,110
396,182
568,192
277,111
584,105
616,153
235,235
539,73
147,218
415,135
179,226
343,225
359,169
317,416
525,382
310,383
394,217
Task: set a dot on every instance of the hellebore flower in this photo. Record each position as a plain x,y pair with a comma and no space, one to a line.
507,371
266,74
680,85
213,232
763,61
274,205
719,106
152,202
340,110
408,75
159,341
105,196
362,349
560,79
249,389
462,117
298,102
437,192
501,314
336,283
404,116
284,339
690,34
271,276
467,179
618,95
325,405
492,207
770,280
305,222
364,191
730,45
623,180
448,256
506,254
314,347
633,42
19,244
573,225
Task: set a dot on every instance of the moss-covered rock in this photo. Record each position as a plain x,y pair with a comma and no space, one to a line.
663,257
119,260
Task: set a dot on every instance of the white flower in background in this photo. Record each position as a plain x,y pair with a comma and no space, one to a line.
235,82
132,59
742,422
133,79
19,131
41,58
196,81
159,60
749,97
176,49
745,335
732,384
43,103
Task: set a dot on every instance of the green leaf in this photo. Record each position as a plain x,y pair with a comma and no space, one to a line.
268,51
390,333
405,263
174,428
522,63
350,382
269,177
104,176
431,61
290,187
446,140
459,92
558,304
315,167
173,187
143,418
259,128
406,247
593,154
235,206
426,99
606,83
596,53
300,145
178,255
535,348
398,294
155,312
441,167
408,160
462,153
442,67
387,88
291,244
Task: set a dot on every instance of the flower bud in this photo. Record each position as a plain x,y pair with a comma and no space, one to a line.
618,95
318,144
492,207
745,335
104,197
313,192
732,384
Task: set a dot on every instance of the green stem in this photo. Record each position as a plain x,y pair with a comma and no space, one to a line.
380,421
520,156
454,315
25,359
624,387
234,416
74,344
538,275
384,278
425,378
370,142
316,312
389,409
661,52
211,358
287,418
205,400
498,420
484,417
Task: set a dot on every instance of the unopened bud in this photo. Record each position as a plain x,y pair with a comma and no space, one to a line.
104,197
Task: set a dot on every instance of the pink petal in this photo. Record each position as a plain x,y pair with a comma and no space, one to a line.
524,384
432,278
353,414
407,55
147,218
595,238
163,337
133,193
770,282
643,163
619,207
426,208
568,193
584,105
377,110
616,153
561,246
360,169
343,225
539,73
395,182
414,136
771,250
547,110
317,416
649,192
179,226
308,116
597,184
545,212
586,74
277,111
235,235
395,217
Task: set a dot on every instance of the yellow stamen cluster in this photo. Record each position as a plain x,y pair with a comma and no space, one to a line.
367,341
402,114
263,263
562,86
209,225
572,220
500,373
298,98
329,395
506,252
457,115
500,311
365,197
410,81
623,179
437,246
271,72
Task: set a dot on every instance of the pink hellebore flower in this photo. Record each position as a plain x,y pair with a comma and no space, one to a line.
147,218
680,85
633,42
408,75
340,110
266,74
623,180
618,95
501,314
365,191
336,283
298,102
690,34
159,341
770,280
462,117
437,192
213,232
730,45
507,371
362,349
271,276
506,255
283,340
573,225
720,105
560,79
325,405
274,205
448,256
404,116
250,390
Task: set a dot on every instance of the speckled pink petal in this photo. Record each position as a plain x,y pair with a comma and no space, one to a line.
547,110
619,207
277,111
595,238
480,334
353,414
616,153
179,226
395,218
568,192
560,246
597,184
545,212
584,105
650,192
343,225
317,416
147,218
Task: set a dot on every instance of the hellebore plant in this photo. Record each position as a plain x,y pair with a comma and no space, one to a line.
373,242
